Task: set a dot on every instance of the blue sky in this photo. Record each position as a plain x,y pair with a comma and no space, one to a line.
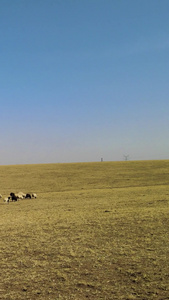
83,80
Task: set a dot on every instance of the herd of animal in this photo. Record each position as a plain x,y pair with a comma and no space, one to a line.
15,197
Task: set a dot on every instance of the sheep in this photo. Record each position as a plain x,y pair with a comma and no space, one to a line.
13,197
21,195
34,195
12,194
6,199
28,196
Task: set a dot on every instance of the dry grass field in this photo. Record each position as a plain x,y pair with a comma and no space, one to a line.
96,231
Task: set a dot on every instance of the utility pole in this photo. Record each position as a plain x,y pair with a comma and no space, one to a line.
126,157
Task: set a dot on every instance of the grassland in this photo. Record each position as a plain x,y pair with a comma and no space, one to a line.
96,231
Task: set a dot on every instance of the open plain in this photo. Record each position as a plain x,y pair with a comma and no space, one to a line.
96,231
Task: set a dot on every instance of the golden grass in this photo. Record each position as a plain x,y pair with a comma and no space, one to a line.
96,231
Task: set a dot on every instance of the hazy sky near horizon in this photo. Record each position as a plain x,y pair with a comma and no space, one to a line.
83,80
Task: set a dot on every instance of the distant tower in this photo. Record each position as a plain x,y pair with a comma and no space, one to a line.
126,157
102,159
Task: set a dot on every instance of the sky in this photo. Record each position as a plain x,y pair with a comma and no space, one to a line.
82,80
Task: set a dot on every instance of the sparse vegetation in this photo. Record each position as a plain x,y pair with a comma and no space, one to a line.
95,231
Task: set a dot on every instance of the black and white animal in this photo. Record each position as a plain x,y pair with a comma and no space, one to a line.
6,199
12,194
28,196
13,197
34,195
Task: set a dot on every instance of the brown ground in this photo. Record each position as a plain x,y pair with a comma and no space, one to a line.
96,231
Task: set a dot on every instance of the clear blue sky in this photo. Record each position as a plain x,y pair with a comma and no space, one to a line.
83,79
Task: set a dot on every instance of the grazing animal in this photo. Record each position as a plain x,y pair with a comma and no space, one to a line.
22,195
6,199
12,194
14,198
34,195
19,196
28,196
